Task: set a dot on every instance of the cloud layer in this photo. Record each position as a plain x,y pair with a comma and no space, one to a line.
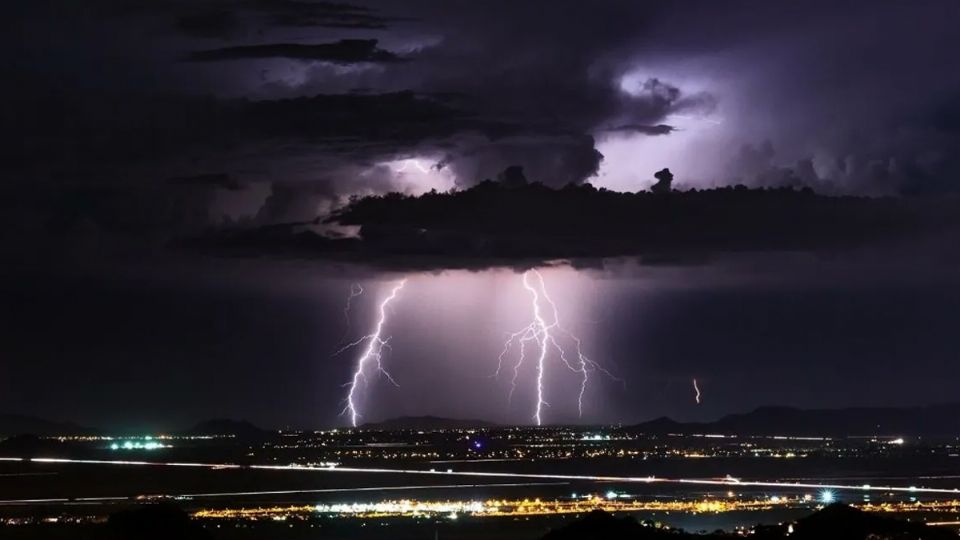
513,223
302,105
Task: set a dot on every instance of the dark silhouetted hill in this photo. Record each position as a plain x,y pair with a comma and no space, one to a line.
835,522
933,420
600,525
16,424
424,423
153,522
29,445
843,522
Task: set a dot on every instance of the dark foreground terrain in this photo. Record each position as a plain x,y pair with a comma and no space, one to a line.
836,521
166,521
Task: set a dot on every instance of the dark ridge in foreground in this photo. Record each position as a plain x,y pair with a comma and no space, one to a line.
519,224
17,424
425,423
929,421
834,522
154,521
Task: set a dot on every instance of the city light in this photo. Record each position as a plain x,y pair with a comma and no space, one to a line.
147,444
453,509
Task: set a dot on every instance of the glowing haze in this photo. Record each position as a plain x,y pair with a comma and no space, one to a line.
544,331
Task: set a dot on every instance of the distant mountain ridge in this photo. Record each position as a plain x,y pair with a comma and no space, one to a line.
425,423
932,420
19,424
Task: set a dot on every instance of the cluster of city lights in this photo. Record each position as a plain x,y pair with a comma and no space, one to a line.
147,443
610,502
577,504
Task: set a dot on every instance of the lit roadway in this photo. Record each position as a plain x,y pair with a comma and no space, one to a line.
725,482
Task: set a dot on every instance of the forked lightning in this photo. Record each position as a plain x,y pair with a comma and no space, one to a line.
544,332
372,354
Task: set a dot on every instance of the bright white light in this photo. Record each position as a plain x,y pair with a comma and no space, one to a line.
420,175
372,353
826,496
492,474
544,331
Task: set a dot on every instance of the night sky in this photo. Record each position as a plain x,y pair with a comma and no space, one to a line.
138,135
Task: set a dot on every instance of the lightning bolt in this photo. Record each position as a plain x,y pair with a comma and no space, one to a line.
415,162
697,390
544,332
372,354
355,291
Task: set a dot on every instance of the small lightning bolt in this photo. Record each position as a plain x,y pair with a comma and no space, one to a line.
355,291
372,354
544,331
414,162
697,390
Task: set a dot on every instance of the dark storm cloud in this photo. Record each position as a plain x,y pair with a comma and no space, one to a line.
216,179
561,107
224,19
117,107
116,152
301,13
659,129
859,88
289,202
493,84
345,51
104,131
207,23
125,147
555,159
516,224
